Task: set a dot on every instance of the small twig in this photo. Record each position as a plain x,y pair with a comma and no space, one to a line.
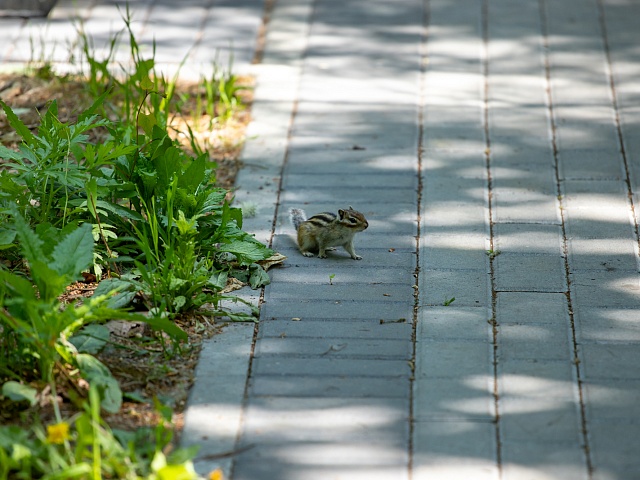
230,453
400,320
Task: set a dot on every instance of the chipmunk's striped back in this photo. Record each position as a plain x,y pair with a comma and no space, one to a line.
298,217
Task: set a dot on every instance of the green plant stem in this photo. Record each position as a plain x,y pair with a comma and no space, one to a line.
56,410
94,403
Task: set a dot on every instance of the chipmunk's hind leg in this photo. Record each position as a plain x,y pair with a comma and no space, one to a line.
306,244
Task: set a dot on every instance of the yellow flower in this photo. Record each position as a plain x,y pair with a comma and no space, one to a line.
216,474
58,433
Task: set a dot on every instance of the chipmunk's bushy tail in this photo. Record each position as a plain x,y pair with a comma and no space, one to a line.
297,217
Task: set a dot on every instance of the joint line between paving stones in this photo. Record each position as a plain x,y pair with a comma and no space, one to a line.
416,305
276,210
491,258
616,112
544,29
262,33
203,23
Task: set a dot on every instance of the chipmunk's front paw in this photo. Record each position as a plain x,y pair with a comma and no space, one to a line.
357,257
307,254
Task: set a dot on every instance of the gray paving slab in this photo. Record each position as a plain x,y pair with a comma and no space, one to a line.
453,251
328,328
607,324
324,346
602,287
358,272
337,289
523,420
536,380
541,342
303,386
523,308
532,461
529,273
333,309
455,450
281,365
468,288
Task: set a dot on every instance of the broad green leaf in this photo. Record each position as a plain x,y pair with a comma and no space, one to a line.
20,452
7,237
74,253
194,175
119,210
111,395
97,374
146,84
91,367
168,165
8,184
51,235
12,434
218,280
147,122
49,282
120,292
236,215
110,285
179,302
30,244
259,278
91,339
121,299
6,154
247,251
18,392
214,200
17,124
166,326
52,113
20,286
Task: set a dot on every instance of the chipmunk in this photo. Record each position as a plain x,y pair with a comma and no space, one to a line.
326,230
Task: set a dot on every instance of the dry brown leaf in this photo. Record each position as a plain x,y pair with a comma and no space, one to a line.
275,259
233,284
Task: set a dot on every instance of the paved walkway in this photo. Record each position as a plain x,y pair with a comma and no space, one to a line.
205,30
492,330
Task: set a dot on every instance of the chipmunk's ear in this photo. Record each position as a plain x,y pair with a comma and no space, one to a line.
350,207
341,213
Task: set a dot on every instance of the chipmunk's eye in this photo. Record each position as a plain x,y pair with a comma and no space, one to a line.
353,220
